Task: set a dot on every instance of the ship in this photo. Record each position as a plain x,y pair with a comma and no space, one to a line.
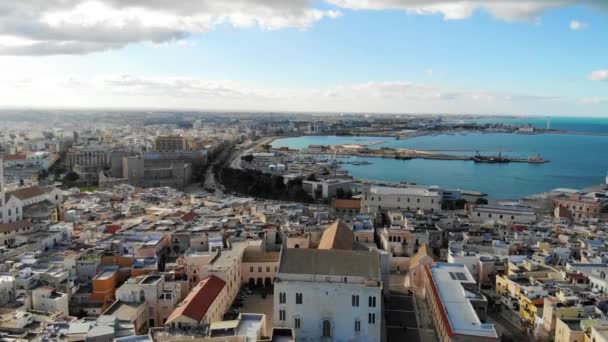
478,158
536,159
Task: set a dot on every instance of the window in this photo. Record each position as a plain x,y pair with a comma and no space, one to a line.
260,269
298,298
371,318
251,269
417,200
281,315
478,214
297,322
357,326
372,302
355,300
267,269
282,297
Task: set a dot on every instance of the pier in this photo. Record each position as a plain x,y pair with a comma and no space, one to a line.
405,154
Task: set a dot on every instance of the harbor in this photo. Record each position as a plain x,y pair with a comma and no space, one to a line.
573,161
407,154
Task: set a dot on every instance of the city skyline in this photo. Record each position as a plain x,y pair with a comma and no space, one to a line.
409,56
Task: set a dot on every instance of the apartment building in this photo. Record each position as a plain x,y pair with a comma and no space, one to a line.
170,143
503,213
382,198
456,305
159,296
581,207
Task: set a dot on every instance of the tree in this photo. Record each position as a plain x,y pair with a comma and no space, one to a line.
340,193
71,176
460,204
481,201
266,147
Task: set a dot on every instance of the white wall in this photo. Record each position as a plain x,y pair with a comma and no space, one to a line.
328,301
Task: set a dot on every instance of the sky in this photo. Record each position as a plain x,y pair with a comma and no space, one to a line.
516,57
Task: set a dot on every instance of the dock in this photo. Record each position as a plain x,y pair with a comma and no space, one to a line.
405,154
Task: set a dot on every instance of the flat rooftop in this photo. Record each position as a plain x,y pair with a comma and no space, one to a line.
449,280
105,274
385,190
151,279
516,209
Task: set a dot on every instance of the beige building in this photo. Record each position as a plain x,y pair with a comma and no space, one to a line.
579,207
225,264
569,330
170,143
415,277
132,315
206,303
160,297
259,268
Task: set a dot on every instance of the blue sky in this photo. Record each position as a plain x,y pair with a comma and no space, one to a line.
552,60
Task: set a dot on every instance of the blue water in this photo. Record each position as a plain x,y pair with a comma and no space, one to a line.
577,161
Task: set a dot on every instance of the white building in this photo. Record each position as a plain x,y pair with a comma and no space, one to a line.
381,198
502,213
47,299
455,304
326,188
40,200
325,294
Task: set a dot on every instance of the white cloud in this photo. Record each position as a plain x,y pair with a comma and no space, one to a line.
462,9
578,25
48,27
599,75
134,91
594,100
45,27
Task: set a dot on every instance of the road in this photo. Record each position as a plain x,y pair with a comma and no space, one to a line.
235,158
507,326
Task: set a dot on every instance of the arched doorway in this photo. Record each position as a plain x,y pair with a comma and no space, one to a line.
260,282
251,282
326,328
296,246
267,282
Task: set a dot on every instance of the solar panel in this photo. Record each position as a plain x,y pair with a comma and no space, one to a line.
461,276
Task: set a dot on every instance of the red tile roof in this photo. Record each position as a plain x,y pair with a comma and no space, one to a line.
26,193
191,216
14,157
199,300
347,204
9,227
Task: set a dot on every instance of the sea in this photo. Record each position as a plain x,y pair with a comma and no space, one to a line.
575,161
